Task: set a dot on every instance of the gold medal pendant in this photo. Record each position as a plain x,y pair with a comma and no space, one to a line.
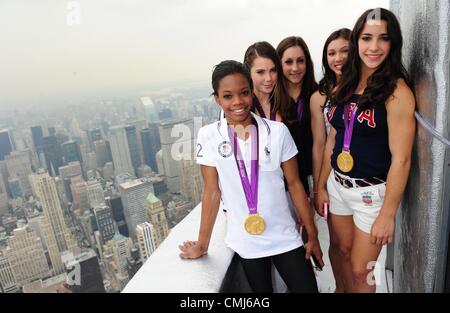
255,224
345,161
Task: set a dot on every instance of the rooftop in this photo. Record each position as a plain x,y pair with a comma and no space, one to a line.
133,183
151,198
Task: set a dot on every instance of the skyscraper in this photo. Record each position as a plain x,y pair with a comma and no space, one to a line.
148,146
15,187
36,134
122,252
175,148
71,152
6,145
133,146
79,194
156,141
53,154
71,169
3,197
67,172
157,217
95,193
105,222
165,114
94,135
120,154
134,194
45,189
146,243
52,131
18,164
26,256
52,245
115,203
101,151
8,282
90,277
191,180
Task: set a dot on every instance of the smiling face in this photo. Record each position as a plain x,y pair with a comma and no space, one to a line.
235,97
337,54
374,44
294,65
264,75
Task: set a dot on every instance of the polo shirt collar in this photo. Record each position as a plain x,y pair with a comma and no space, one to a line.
263,131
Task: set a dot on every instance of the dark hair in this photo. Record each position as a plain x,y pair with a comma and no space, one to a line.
226,68
309,85
381,84
328,82
278,97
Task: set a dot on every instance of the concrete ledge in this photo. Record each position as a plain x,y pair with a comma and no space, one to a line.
166,272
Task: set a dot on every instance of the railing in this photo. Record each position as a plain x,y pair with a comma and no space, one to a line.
165,271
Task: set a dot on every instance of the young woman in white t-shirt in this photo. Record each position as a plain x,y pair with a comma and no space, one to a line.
244,160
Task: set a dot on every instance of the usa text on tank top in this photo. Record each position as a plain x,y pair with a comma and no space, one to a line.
370,141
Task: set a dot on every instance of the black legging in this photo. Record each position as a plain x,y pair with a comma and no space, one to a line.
296,271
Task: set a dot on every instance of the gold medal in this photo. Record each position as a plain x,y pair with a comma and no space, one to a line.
345,161
255,224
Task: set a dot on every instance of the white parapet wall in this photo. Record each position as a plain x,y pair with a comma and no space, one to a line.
166,272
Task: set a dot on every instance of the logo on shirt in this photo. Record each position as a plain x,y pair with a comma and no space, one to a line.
369,116
225,149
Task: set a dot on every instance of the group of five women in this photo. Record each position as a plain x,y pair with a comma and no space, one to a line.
287,144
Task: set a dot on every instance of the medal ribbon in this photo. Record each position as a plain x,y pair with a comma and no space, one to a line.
260,109
348,127
299,109
250,188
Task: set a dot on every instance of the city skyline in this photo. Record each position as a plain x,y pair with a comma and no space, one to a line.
76,194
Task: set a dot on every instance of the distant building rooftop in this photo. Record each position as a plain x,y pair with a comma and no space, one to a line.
118,237
133,183
151,198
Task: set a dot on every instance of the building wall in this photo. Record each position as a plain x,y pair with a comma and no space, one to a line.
422,231
26,256
7,279
120,152
133,196
19,166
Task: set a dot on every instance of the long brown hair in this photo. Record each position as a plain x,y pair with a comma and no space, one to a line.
328,82
381,84
278,97
309,85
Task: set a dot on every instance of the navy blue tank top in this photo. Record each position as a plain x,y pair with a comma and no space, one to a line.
370,141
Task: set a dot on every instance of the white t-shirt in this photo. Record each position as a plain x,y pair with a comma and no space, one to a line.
281,233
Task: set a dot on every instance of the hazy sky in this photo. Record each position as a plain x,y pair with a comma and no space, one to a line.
122,44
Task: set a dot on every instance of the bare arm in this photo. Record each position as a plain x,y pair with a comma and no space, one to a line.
325,170
402,125
300,201
210,207
318,133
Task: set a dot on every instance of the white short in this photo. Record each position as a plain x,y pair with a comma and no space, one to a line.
364,203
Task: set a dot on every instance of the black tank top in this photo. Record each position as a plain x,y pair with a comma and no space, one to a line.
302,135
370,141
